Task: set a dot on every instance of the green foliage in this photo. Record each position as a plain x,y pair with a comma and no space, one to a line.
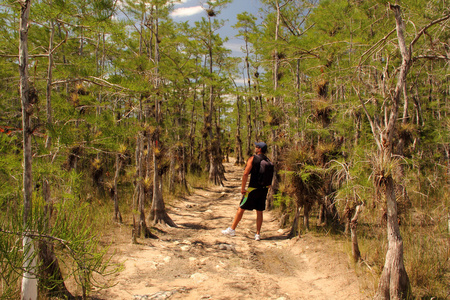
283,201
77,230
107,79
73,232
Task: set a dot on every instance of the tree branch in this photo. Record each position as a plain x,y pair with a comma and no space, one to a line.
373,126
422,31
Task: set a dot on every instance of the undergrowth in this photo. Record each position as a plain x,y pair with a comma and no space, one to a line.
425,233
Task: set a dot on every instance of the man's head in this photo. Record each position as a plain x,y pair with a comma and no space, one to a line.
262,146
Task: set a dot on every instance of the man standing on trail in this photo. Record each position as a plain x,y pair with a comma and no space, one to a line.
255,196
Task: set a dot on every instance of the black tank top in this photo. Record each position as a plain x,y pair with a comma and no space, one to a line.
255,171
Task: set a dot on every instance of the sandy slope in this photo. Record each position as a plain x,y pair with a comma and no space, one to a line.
195,261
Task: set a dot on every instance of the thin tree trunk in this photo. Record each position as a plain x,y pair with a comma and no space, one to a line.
117,214
141,193
275,181
353,229
158,213
28,98
294,228
48,142
250,100
249,127
50,271
306,210
216,174
448,228
238,142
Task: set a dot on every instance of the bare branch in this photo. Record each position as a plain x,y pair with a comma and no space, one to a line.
422,31
375,45
372,124
102,82
431,57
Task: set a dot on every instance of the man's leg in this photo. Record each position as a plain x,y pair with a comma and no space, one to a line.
259,221
237,218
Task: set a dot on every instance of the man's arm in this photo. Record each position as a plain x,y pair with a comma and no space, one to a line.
248,169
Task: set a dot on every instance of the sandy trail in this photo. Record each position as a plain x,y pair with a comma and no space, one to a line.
195,261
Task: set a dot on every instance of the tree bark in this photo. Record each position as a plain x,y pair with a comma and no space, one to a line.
353,229
306,210
216,174
238,141
158,212
140,187
28,98
249,101
249,127
117,214
51,276
394,281
294,229
48,142
276,102
51,272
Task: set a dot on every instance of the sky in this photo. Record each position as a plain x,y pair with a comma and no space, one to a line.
194,10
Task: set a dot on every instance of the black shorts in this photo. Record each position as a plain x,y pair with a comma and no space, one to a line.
255,199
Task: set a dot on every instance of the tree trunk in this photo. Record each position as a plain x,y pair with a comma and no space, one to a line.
192,130
353,229
249,101
28,98
276,100
140,187
448,228
51,275
158,212
238,141
249,127
216,173
117,215
294,229
48,142
50,271
394,281
172,169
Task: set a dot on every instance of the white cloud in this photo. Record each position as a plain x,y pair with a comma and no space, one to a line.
236,47
240,81
179,1
187,11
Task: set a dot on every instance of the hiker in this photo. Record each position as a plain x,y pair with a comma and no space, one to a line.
255,196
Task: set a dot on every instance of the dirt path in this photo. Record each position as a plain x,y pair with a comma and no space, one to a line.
195,261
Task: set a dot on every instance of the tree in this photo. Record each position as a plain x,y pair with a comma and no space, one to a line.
158,212
28,96
247,27
213,45
394,281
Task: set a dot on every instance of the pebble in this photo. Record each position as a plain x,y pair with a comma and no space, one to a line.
199,277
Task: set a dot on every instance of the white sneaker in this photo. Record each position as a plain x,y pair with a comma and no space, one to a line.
257,237
229,232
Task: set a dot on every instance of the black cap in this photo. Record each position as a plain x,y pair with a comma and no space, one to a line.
262,146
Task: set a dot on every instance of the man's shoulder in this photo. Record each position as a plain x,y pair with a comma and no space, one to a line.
257,158
261,156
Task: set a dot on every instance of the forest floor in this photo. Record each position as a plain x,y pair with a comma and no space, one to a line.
195,261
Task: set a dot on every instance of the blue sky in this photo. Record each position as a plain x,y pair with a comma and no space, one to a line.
193,10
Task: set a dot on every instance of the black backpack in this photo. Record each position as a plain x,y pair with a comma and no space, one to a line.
266,170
